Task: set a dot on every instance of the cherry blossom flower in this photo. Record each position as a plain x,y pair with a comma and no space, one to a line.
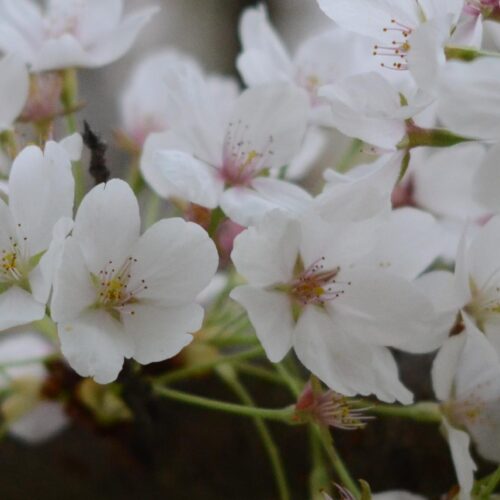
29,416
466,376
323,288
144,105
36,220
121,295
14,89
69,33
233,166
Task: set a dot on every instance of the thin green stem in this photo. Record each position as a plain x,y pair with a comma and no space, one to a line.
267,439
283,415
342,472
427,412
491,485
152,210
318,478
292,383
260,373
194,370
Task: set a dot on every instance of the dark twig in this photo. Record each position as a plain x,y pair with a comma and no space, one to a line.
97,168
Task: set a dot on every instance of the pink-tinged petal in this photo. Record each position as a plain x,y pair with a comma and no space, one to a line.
266,254
113,45
160,333
107,225
45,177
14,88
95,345
175,259
73,288
188,178
18,307
438,8
465,467
407,244
381,308
270,313
41,424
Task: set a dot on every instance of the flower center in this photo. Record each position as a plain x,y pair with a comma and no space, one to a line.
315,285
14,264
466,412
397,48
241,160
113,290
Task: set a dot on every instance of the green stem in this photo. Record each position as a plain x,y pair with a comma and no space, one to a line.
343,474
260,373
267,440
422,412
467,53
433,138
491,484
69,100
283,415
349,156
194,370
152,210
318,479
289,380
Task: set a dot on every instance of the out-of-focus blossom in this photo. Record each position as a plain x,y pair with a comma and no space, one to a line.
326,288
466,379
14,89
69,33
28,415
121,295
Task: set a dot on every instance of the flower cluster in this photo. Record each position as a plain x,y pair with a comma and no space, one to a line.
394,250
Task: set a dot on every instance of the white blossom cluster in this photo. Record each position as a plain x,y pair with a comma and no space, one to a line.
399,253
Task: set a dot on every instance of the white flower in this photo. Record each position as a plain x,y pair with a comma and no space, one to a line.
14,89
144,105
469,98
121,295
28,415
41,189
69,33
409,34
367,106
339,293
475,286
319,60
486,181
466,379
230,166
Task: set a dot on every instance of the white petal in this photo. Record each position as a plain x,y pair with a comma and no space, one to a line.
189,178
270,313
41,188
98,17
63,52
160,333
369,17
459,442
176,259
266,254
95,344
73,289
42,423
438,8
264,58
446,365
471,89
14,88
116,43
408,244
384,309
274,118
487,181
73,145
107,224
246,206
18,307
